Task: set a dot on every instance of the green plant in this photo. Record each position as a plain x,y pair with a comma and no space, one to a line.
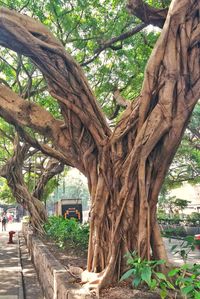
67,231
187,280
174,232
185,247
144,272
193,218
188,275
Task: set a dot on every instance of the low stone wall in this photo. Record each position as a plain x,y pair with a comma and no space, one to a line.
189,230
53,277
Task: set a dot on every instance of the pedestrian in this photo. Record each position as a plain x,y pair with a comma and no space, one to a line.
4,221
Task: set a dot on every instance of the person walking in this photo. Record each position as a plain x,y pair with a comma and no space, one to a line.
4,221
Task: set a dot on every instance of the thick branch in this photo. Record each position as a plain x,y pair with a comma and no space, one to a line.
110,43
65,79
146,13
17,110
53,168
20,113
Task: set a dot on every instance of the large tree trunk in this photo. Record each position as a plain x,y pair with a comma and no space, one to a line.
133,165
125,168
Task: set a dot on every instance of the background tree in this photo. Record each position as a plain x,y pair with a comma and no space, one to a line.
71,185
186,164
125,167
27,173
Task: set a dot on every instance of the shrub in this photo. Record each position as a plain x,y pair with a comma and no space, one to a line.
185,278
193,219
144,272
174,232
67,232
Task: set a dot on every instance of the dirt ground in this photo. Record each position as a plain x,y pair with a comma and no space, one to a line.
78,258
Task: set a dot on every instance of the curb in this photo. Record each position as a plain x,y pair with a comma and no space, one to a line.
21,294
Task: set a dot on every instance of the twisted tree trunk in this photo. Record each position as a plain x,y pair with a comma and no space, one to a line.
13,172
125,168
134,162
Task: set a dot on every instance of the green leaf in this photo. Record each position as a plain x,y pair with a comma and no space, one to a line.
136,281
146,275
156,263
127,274
170,285
163,294
197,295
173,247
153,284
187,290
160,275
173,272
189,239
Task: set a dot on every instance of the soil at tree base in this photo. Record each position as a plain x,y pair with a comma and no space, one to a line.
78,258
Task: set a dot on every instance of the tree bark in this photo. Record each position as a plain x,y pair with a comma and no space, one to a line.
125,168
13,172
147,13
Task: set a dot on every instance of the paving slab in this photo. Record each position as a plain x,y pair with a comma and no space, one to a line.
10,267
32,288
193,256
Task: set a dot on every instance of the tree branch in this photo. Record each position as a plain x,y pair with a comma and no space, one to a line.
146,13
20,113
53,168
109,43
64,76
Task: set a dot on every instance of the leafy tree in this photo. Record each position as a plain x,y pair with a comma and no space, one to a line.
126,166
186,164
5,193
74,187
171,204
27,173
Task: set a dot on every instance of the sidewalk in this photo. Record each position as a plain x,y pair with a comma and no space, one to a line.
193,257
10,267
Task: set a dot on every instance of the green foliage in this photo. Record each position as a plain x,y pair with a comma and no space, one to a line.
193,218
5,192
49,188
179,220
172,204
144,273
189,285
83,32
72,185
185,247
176,232
186,163
185,278
67,232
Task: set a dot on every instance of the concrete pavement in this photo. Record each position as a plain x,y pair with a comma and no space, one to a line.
18,278
19,282
10,268
193,256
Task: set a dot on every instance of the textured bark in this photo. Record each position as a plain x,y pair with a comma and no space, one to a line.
53,168
125,168
147,13
13,173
